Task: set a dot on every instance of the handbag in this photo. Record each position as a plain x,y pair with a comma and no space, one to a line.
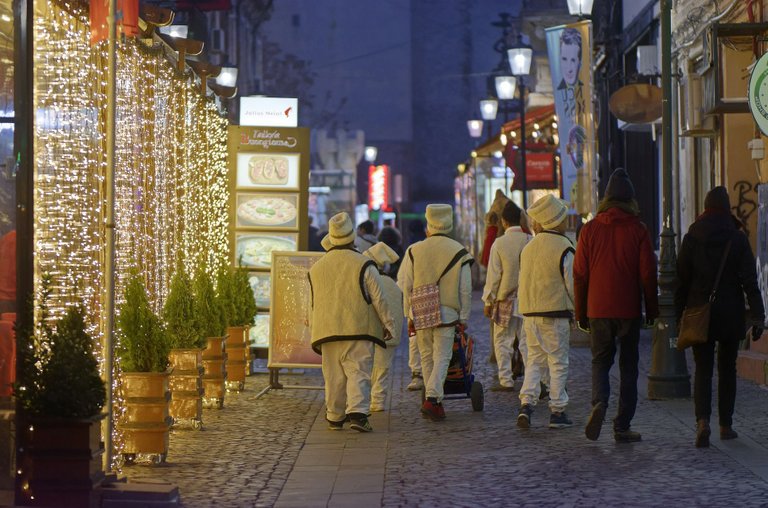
425,299
503,310
694,323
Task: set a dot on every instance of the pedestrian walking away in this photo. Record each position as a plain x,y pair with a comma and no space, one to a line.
349,317
384,256
546,303
714,238
365,238
437,295
615,268
500,294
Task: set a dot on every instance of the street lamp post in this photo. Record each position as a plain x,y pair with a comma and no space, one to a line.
668,376
488,110
520,56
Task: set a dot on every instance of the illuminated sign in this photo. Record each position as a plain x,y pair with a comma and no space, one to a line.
269,112
378,187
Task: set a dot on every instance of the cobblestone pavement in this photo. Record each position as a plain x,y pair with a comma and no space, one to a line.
255,450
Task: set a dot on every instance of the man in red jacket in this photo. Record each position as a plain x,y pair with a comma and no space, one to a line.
615,264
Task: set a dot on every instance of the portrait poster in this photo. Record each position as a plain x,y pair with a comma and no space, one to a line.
289,334
570,60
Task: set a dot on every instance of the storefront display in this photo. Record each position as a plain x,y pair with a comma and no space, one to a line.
269,185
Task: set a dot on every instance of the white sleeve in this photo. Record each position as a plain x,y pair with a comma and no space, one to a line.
568,275
493,276
465,292
373,288
405,281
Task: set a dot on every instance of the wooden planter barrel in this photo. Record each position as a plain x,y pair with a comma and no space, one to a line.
61,465
146,422
237,358
215,375
186,385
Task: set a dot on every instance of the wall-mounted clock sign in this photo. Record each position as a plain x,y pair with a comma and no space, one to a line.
758,93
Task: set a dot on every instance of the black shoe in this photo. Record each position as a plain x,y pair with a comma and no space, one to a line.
595,422
626,436
361,425
336,425
559,420
524,416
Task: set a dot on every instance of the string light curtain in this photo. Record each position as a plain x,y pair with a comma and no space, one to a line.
171,192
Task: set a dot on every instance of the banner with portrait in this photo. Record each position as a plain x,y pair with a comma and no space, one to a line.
570,60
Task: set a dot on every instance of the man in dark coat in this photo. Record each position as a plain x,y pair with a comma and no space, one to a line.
700,255
615,267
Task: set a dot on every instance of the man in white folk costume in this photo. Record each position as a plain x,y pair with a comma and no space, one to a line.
437,295
384,256
348,311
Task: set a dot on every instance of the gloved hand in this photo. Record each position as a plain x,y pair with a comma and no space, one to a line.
387,335
649,322
488,311
584,324
463,325
757,332
411,328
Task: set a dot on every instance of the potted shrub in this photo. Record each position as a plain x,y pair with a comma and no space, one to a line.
143,354
62,395
186,355
236,346
208,313
244,308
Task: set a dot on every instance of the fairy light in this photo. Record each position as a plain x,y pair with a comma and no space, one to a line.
171,192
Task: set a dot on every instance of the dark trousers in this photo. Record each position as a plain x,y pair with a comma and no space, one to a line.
606,333
704,356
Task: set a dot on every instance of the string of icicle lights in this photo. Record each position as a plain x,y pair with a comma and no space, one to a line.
171,192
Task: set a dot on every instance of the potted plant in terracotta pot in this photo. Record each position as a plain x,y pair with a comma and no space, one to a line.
235,344
244,305
62,395
186,355
143,355
209,316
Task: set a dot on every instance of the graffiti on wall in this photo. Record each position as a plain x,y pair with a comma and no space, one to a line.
745,206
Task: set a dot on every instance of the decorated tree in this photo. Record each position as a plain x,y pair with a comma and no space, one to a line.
144,342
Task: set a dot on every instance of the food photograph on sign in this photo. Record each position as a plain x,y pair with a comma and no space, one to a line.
267,210
254,250
258,335
268,171
261,284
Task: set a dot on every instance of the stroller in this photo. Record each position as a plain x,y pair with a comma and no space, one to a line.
460,382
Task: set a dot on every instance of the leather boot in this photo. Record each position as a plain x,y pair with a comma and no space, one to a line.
726,432
702,433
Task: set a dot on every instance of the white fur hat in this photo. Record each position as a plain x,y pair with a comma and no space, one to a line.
341,231
548,211
382,254
439,219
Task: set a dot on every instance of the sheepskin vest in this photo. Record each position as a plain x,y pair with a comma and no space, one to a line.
430,257
341,308
542,288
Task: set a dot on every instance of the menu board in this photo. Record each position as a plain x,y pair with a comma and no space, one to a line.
269,184
289,332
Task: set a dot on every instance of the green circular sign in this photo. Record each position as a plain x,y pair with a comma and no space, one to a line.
758,93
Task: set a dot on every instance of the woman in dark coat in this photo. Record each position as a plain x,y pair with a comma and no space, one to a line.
700,254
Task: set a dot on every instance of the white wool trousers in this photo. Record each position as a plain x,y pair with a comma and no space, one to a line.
548,341
503,345
435,348
414,358
381,377
347,366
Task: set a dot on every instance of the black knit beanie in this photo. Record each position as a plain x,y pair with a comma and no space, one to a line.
619,187
717,199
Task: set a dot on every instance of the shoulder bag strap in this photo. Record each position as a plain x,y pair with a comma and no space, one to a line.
720,270
456,259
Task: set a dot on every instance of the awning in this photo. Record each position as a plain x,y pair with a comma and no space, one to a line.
543,115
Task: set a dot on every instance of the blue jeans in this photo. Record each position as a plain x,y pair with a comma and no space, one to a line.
606,333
